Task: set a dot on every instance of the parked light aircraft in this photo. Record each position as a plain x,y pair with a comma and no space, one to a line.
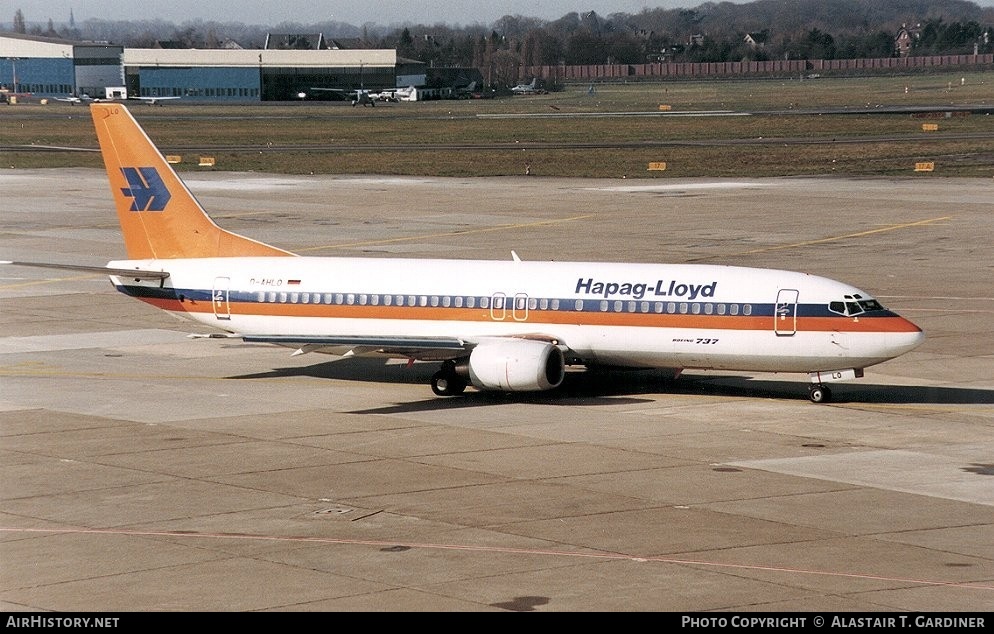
497,325
527,89
360,97
363,98
406,94
87,99
152,100
120,93
74,100
387,94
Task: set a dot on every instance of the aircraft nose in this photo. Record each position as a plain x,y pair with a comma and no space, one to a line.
906,340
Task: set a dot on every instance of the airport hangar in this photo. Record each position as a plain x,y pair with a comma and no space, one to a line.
47,67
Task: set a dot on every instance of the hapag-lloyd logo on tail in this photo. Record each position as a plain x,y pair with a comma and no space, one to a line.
638,290
146,188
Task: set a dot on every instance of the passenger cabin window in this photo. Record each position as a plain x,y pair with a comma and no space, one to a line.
849,305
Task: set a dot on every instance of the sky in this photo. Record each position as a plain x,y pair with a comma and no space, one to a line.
356,12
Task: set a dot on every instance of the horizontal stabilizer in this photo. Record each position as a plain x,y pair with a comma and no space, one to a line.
136,274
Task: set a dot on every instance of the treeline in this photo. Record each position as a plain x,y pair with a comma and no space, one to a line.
711,32
776,30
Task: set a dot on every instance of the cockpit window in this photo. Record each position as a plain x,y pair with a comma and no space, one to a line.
854,305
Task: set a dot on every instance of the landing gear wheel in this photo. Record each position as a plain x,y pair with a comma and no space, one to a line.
447,383
819,394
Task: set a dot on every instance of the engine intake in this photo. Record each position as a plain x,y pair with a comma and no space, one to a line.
515,365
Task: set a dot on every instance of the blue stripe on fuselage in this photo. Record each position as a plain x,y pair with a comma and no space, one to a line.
565,304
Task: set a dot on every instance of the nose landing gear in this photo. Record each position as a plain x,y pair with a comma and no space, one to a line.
819,394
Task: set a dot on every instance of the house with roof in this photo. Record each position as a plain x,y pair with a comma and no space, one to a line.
757,40
905,39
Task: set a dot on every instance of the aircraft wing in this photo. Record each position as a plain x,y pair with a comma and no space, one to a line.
419,348
136,274
339,93
422,348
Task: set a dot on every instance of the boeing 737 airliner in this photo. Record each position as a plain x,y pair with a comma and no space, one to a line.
496,325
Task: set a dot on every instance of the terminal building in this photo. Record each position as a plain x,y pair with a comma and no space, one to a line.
46,67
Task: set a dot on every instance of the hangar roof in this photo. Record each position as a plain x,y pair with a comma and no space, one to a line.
12,45
258,57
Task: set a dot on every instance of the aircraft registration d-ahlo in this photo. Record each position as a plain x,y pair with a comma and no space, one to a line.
509,326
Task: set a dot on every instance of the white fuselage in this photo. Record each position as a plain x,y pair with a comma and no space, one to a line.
638,315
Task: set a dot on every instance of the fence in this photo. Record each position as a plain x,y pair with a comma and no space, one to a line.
674,70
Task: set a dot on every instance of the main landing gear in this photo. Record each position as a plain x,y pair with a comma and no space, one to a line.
446,382
819,394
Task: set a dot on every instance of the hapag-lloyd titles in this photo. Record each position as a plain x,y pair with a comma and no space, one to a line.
660,288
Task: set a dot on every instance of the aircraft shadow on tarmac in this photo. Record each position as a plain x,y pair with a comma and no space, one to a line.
620,386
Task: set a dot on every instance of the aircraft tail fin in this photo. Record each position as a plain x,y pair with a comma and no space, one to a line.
159,217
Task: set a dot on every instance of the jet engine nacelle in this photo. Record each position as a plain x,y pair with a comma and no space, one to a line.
516,365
